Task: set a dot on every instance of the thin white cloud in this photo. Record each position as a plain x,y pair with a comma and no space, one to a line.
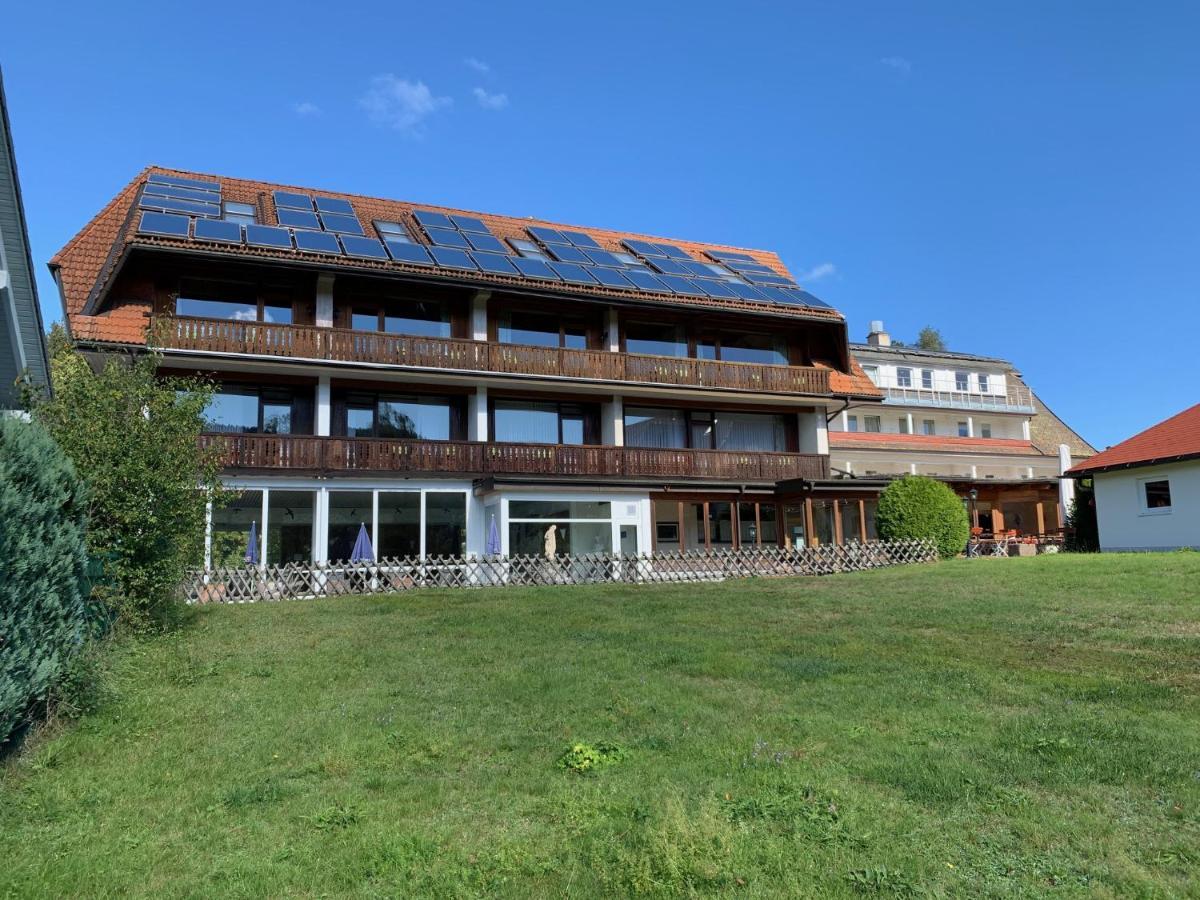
899,63
306,109
401,104
817,272
490,101
478,65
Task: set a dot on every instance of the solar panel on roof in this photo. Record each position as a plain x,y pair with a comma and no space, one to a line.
186,182
775,295
408,253
293,201
579,239
432,219
715,288
744,291
672,251
572,273
604,258
646,282
447,237
749,267
164,223
470,223
804,298
341,224
451,258
681,285
534,268
298,218
334,205
268,236
182,193
669,266
219,230
318,242
486,243
362,247
548,235
773,278
567,253
643,248
610,277
727,255
181,206
697,268
495,262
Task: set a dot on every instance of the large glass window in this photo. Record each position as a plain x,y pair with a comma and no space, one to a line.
529,328
232,411
559,509
231,526
445,523
794,526
754,348
823,521
851,520
579,527
750,431
418,318
399,526
289,526
525,421
646,427
221,300
652,339
348,512
399,416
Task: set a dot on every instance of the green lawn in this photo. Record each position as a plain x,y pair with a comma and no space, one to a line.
1021,727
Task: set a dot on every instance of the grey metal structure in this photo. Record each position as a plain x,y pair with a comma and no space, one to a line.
22,337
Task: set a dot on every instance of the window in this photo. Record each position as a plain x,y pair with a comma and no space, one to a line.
529,422
239,212
852,423
962,381
418,318
871,424
393,231
753,348
872,372
238,409
927,379
985,430
928,426
579,527
400,523
220,300
904,377
541,330
1156,495
749,431
662,428
652,339
528,249
402,416
903,423
983,382
628,259
964,429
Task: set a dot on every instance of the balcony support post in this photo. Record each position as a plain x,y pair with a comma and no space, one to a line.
814,431
1025,429
479,316
970,426
477,414
323,406
909,418
612,422
325,300
612,332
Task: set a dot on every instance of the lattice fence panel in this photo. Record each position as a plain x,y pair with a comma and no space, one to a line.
293,581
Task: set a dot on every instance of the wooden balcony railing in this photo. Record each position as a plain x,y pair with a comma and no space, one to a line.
302,453
346,345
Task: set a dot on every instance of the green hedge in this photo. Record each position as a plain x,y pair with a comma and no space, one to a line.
916,507
44,614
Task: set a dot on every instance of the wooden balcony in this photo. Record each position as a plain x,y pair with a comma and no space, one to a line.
307,454
345,345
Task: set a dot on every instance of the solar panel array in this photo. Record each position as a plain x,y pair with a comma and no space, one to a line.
192,208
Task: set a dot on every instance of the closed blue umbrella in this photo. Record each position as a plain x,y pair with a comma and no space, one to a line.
493,539
362,552
252,545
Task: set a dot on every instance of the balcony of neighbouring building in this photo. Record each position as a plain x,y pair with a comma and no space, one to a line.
282,453
1010,396
359,347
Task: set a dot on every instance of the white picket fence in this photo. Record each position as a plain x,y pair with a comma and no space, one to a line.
294,581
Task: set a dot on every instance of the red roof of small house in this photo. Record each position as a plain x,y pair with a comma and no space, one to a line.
1175,439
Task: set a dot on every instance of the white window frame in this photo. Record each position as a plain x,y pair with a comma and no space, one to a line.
903,377
852,424
877,421
1144,509
984,382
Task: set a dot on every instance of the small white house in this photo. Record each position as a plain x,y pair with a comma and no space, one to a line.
1148,487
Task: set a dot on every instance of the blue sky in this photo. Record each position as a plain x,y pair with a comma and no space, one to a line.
1022,176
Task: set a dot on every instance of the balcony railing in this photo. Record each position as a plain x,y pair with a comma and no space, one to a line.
346,345
302,453
1017,398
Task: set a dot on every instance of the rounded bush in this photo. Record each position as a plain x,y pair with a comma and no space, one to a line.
922,508
43,604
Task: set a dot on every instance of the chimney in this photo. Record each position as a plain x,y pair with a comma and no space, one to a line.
877,337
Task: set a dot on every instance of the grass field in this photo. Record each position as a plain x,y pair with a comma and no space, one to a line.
1023,727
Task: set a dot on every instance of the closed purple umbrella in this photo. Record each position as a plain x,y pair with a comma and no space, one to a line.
252,545
362,552
493,539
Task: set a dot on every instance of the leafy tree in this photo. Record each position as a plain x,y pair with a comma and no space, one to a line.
133,437
44,611
1082,529
929,338
915,507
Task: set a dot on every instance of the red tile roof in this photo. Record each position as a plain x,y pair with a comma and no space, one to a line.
1175,439
884,441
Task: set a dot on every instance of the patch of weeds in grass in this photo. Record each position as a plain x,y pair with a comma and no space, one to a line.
882,880
266,791
763,754
582,758
334,818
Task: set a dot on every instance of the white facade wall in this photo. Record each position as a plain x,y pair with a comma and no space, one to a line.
894,418
1126,523
941,378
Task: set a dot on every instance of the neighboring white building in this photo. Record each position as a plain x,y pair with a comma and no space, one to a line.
1148,488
